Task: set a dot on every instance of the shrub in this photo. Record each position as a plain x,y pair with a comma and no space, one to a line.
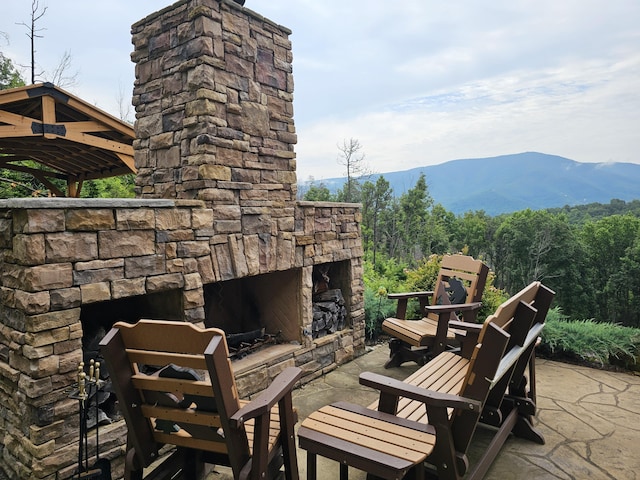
590,341
385,277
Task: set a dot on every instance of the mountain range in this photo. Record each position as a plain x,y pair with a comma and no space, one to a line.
509,183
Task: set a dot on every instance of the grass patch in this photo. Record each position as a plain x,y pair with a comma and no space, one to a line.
602,344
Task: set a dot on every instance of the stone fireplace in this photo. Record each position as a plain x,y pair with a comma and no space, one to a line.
214,237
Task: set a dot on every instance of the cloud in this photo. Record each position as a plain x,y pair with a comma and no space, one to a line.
577,111
416,82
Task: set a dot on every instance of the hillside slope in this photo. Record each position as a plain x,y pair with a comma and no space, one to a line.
514,182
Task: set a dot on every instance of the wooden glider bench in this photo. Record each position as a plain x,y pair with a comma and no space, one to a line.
175,386
397,434
459,288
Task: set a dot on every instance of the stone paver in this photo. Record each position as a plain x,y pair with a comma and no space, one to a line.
590,420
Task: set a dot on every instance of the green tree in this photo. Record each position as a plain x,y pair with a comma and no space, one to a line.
441,227
318,193
627,280
375,200
112,187
473,234
536,245
414,208
609,245
391,229
9,75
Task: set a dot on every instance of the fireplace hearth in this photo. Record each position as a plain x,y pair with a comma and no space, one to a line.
215,237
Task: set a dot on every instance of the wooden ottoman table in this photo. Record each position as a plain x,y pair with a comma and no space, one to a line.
381,444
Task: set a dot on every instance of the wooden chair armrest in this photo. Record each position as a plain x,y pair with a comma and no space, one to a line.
281,386
467,334
403,300
466,326
461,307
398,388
407,295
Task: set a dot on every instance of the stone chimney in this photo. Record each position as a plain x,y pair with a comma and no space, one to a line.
214,108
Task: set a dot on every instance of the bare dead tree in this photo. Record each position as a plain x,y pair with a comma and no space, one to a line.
124,105
61,77
352,159
32,33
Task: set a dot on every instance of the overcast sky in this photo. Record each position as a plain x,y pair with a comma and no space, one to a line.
417,82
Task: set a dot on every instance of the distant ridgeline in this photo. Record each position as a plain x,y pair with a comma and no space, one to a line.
510,183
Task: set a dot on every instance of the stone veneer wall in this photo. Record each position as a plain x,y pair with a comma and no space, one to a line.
60,254
217,187
214,113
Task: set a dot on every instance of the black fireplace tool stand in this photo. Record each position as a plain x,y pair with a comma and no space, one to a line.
88,386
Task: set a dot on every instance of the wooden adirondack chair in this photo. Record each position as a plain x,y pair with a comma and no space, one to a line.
419,340
175,386
426,422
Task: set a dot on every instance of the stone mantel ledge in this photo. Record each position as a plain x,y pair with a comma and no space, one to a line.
310,204
66,203
57,203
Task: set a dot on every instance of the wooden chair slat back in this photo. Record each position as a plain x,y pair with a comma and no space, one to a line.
472,271
483,366
160,384
186,411
505,312
505,329
513,318
163,358
171,337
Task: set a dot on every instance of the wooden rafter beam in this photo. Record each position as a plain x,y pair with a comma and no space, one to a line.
45,124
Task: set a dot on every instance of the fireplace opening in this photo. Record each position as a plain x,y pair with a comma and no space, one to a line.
331,285
265,306
97,319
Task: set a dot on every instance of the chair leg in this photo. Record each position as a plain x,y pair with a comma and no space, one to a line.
395,354
312,472
401,352
193,466
344,471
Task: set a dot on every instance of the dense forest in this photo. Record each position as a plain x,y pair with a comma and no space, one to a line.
590,254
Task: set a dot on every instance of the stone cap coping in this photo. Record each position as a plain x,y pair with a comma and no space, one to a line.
309,204
42,203
230,3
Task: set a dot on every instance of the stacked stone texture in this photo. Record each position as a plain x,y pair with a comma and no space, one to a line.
58,255
214,109
217,187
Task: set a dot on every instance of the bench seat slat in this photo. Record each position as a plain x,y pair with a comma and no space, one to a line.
384,437
445,373
414,331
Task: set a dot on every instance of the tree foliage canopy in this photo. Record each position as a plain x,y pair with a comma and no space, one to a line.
589,255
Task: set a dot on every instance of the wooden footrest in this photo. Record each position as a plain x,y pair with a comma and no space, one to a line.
378,443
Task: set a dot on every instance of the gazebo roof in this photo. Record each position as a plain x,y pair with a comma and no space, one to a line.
74,140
